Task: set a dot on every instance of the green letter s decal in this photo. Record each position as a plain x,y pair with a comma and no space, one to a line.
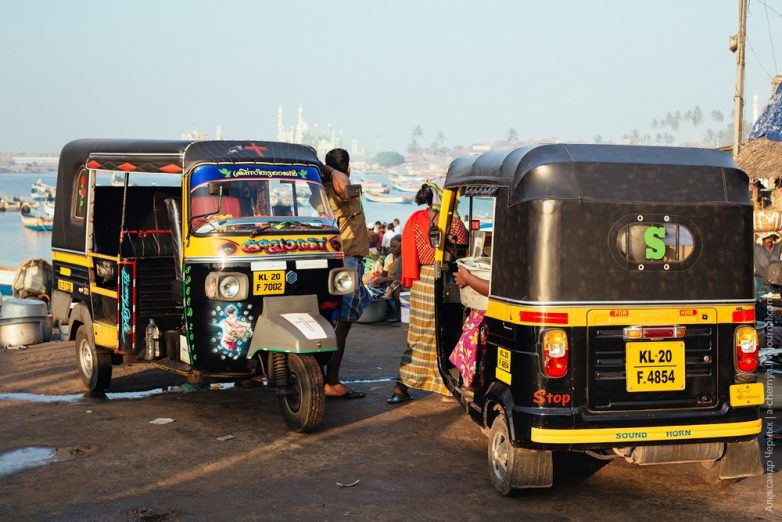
655,246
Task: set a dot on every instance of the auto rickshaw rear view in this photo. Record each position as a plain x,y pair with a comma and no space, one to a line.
220,261
620,319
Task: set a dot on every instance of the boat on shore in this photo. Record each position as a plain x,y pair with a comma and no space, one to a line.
7,280
377,197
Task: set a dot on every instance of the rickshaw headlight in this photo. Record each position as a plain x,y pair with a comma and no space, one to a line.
555,353
342,281
226,286
746,349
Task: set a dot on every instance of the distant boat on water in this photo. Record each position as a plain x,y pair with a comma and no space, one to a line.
38,223
374,186
40,191
406,186
377,197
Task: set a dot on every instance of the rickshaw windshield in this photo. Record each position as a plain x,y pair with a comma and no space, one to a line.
259,202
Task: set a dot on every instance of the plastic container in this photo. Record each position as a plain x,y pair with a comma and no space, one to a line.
404,301
152,339
480,267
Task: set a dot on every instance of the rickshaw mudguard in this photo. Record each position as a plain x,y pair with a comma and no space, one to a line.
292,324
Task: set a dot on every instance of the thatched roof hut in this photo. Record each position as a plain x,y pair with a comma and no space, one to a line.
761,156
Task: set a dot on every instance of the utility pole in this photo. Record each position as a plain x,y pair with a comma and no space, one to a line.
737,45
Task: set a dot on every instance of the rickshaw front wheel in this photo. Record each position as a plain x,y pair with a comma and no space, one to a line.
94,364
304,402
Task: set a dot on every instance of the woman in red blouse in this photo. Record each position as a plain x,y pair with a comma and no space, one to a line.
418,367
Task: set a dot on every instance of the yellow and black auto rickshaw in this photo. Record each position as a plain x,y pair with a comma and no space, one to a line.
620,317
218,260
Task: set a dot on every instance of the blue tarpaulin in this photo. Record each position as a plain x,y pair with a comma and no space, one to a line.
769,123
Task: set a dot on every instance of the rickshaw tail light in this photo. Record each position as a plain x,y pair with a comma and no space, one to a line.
746,349
555,353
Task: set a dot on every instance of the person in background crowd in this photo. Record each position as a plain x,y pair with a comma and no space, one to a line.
418,366
387,237
765,252
353,230
373,243
391,276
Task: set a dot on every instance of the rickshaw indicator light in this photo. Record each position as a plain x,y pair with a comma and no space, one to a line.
555,353
746,349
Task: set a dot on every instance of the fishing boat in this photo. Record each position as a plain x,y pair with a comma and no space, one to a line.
7,281
374,186
402,186
377,197
38,223
40,191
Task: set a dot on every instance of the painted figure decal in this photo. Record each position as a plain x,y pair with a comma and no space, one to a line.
234,330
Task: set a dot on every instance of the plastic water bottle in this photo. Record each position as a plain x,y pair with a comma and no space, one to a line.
152,338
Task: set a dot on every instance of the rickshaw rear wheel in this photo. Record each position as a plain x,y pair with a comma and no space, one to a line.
501,456
304,402
94,365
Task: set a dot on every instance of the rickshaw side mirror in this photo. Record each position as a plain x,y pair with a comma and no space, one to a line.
435,236
216,189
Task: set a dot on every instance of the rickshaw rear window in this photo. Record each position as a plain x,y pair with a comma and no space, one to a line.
655,243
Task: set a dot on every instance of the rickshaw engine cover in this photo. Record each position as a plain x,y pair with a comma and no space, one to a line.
672,453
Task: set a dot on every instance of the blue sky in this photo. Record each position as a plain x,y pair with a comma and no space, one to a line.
373,69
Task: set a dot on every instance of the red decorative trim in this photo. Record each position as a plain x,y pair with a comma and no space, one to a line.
127,167
171,168
92,164
259,149
543,317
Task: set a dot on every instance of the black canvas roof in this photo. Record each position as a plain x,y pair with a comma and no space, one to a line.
604,172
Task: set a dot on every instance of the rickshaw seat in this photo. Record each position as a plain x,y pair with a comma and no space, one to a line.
206,204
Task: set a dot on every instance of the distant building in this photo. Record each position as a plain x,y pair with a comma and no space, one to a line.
304,134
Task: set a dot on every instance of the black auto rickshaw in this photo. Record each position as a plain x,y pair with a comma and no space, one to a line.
620,318
218,260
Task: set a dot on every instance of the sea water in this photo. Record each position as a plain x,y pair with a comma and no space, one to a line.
18,243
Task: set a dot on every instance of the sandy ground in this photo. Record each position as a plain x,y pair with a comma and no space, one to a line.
423,460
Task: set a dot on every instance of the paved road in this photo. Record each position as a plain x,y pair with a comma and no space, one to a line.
423,460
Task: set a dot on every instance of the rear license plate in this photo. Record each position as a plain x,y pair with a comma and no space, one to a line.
269,282
655,366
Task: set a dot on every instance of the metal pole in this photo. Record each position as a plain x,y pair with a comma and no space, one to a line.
738,98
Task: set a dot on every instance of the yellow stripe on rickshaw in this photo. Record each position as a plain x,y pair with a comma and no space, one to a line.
590,315
71,259
629,436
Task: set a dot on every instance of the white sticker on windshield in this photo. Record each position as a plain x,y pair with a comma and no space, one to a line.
306,325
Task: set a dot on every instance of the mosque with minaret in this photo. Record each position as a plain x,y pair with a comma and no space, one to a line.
322,140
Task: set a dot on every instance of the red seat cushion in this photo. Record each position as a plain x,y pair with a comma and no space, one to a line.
208,204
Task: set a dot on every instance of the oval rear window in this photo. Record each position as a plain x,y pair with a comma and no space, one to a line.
655,243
